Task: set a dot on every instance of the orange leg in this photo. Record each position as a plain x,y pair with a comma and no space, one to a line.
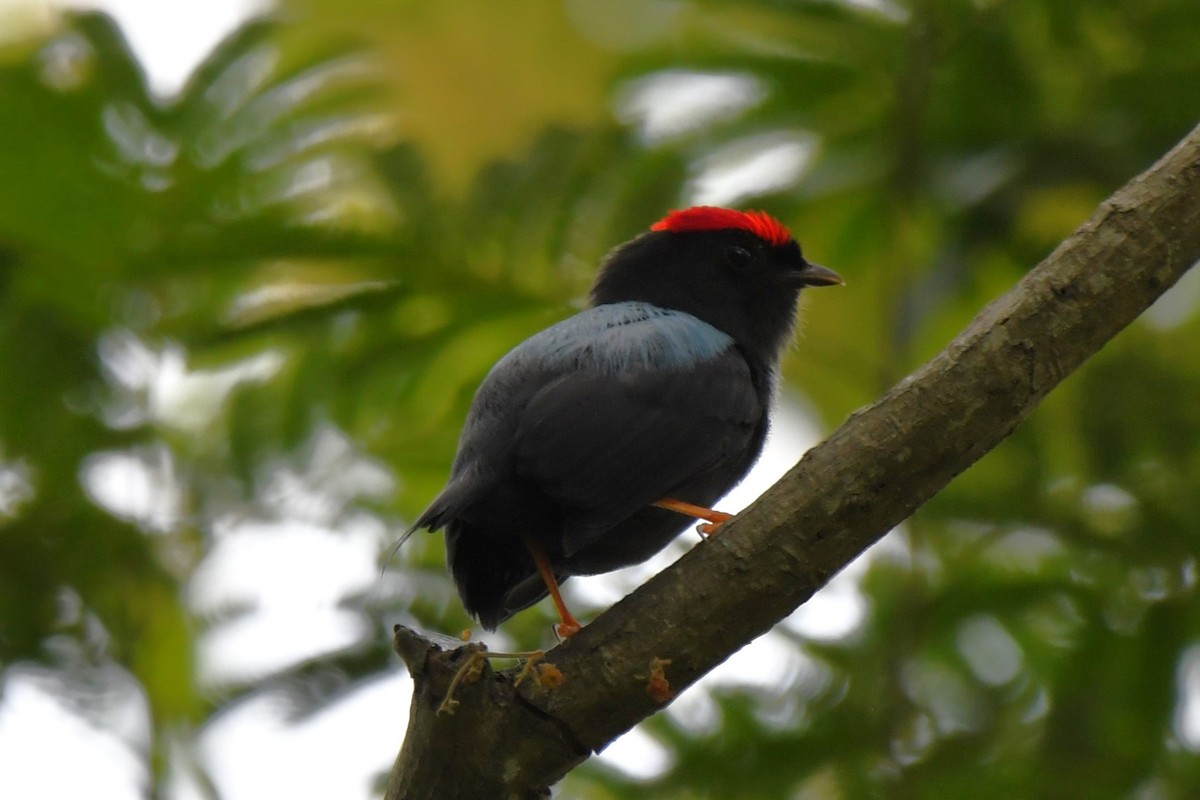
715,519
569,626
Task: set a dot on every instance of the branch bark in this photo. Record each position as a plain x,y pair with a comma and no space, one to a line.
508,741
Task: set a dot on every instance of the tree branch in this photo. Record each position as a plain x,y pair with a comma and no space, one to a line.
843,496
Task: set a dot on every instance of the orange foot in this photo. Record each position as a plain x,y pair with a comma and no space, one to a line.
715,519
569,625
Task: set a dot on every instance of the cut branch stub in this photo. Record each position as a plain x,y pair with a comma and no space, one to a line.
482,739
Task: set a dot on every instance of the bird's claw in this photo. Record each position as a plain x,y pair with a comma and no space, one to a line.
710,528
566,629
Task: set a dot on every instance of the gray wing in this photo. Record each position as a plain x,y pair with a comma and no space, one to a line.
605,446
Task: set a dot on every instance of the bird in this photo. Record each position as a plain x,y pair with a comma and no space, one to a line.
592,444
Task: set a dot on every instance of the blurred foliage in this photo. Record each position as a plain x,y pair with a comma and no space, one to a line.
270,297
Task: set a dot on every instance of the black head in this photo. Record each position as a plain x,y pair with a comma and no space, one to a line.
741,272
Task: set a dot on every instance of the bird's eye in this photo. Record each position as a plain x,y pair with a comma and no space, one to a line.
738,257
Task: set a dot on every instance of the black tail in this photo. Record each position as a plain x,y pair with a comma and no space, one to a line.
495,574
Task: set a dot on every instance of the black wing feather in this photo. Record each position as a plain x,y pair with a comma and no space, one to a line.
604,447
